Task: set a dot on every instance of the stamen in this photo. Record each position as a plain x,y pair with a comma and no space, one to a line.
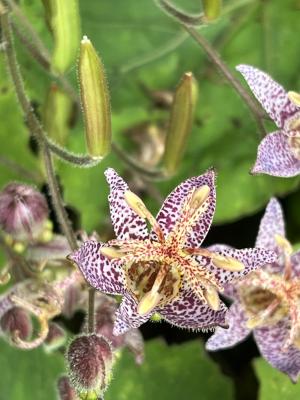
287,249
227,263
112,252
259,320
294,97
212,297
138,206
148,302
200,196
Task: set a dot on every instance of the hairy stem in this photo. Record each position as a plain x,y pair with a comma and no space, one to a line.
35,127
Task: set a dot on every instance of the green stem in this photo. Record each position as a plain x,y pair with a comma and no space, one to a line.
35,127
91,310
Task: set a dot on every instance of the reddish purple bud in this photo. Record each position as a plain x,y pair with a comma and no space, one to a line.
16,320
56,337
65,390
89,359
23,211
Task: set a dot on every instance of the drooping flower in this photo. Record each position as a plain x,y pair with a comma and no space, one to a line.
165,271
279,152
267,301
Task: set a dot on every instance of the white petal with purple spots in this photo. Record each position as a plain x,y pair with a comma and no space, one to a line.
127,224
271,340
237,331
100,272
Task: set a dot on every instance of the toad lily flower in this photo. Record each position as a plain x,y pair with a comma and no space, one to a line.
165,271
268,301
279,152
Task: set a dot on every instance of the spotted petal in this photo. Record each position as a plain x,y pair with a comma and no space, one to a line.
237,331
274,157
188,311
127,224
127,316
100,272
269,93
295,261
170,210
270,341
251,258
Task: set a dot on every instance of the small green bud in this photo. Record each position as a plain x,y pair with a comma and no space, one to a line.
63,18
57,114
212,9
181,120
95,100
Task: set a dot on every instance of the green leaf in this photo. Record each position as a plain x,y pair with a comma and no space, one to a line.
274,384
27,375
169,372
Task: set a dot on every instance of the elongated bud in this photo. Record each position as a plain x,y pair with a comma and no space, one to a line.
63,20
23,211
181,120
89,359
95,100
65,390
212,9
57,114
295,98
16,320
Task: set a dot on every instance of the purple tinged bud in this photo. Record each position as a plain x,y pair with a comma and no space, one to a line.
16,320
135,342
56,337
23,211
65,390
89,359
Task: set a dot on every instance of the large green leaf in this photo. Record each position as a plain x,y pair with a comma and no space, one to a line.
169,372
274,384
28,375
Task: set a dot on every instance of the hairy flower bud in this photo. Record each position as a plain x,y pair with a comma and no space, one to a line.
65,390
95,100
89,359
56,337
181,120
16,321
212,9
23,211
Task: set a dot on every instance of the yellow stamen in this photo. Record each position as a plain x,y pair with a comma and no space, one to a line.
294,97
212,297
284,244
200,196
254,322
148,302
227,263
112,252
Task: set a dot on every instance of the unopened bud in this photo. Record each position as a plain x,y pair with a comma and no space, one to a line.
65,390
57,114
56,337
295,98
23,211
212,9
95,100
16,321
181,120
63,19
89,359
135,343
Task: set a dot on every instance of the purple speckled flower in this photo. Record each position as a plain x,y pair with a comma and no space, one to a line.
165,271
267,301
279,152
23,211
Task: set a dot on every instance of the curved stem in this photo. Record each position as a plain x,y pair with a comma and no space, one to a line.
35,127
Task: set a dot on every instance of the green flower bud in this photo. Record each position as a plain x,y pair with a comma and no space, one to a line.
212,9
181,120
57,114
95,100
63,18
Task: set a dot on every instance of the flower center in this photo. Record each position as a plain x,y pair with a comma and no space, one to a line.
294,143
152,283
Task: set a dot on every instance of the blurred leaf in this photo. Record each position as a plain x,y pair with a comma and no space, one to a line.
274,384
169,372
27,375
